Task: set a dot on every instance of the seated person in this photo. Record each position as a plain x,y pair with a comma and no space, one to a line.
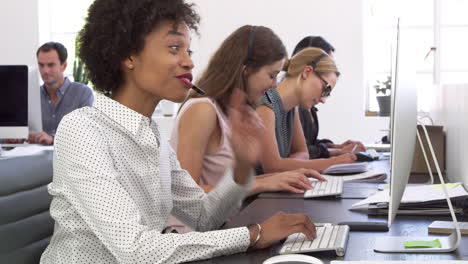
320,148
202,129
59,95
310,77
116,181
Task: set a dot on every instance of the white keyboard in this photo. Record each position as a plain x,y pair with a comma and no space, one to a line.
373,153
329,237
402,262
332,187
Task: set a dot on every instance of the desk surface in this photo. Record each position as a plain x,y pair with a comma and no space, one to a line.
360,244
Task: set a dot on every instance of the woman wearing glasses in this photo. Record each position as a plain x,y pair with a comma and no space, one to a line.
320,148
310,77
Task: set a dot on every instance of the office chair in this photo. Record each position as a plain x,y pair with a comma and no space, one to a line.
25,222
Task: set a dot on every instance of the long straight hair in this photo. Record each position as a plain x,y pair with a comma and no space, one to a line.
246,49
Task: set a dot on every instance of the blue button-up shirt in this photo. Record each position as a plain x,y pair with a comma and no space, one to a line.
71,95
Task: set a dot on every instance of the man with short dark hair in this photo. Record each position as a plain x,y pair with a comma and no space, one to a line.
59,96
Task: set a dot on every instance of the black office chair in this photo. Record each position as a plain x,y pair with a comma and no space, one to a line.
25,222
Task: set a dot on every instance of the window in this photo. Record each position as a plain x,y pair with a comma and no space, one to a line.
439,37
61,20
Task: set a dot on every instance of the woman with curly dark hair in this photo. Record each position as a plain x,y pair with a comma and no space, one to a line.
115,181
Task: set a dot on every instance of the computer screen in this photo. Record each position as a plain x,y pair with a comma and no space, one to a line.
14,101
403,121
403,127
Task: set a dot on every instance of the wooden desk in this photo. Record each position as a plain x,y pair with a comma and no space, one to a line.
360,244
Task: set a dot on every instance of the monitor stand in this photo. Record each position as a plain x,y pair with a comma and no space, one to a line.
394,244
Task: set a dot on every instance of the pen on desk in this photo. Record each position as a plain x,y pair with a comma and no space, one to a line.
198,90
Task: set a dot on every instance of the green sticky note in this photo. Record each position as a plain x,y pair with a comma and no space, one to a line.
448,185
423,244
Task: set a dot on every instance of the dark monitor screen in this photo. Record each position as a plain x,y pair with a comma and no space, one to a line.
13,95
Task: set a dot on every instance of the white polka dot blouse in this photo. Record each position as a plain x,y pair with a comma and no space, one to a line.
115,184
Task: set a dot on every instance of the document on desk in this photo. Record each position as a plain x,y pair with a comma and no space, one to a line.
417,194
25,151
349,168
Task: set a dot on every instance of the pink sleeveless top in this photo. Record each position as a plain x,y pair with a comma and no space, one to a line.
215,164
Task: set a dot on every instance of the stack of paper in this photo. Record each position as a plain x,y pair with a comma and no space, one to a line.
417,194
349,168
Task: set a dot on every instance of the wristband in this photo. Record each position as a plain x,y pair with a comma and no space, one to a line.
259,235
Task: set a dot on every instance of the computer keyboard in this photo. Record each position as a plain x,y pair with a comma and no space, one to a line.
373,153
332,187
329,237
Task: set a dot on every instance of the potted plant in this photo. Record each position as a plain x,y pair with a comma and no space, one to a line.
79,69
383,89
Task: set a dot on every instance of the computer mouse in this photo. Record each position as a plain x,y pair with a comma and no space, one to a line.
363,156
293,259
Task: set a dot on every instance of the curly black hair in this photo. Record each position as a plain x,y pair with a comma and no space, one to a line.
115,29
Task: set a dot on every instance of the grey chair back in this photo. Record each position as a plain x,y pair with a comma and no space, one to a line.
25,222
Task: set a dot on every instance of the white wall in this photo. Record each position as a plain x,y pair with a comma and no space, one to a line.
19,42
454,117
340,22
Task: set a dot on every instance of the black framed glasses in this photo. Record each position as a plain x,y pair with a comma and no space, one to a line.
326,88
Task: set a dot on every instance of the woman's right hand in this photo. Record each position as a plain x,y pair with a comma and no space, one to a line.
279,226
295,181
353,148
344,158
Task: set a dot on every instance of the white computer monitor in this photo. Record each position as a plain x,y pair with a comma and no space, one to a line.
403,123
14,101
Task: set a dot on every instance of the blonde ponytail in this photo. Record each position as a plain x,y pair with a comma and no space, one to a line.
298,62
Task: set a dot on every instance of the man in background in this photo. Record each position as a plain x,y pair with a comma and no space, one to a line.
59,96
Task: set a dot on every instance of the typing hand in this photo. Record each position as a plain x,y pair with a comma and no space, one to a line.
40,138
353,148
291,181
344,158
311,174
351,143
281,225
